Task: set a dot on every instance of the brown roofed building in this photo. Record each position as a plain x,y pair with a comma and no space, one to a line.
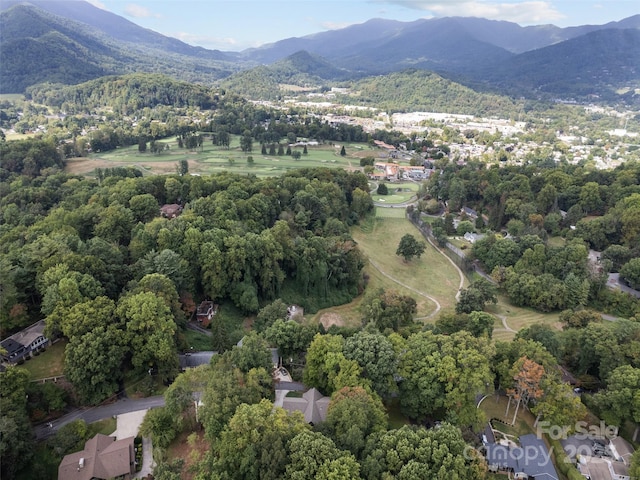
103,457
171,210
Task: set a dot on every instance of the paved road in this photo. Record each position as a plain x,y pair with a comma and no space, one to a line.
297,386
94,414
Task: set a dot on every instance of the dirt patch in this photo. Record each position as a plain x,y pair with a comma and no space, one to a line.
86,166
191,450
328,319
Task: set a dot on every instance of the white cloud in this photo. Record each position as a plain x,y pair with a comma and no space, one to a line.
207,41
137,11
524,12
98,4
335,25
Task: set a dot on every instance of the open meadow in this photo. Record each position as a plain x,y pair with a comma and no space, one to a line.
211,159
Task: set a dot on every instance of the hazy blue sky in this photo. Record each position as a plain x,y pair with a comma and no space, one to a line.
239,24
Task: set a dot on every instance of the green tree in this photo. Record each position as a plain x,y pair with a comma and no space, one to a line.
474,298
620,401
343,151
382,189
227,388
254,443
312,455
321,349
387,309
144,207
115,224
182,168
630,271
634,467
246,142
93,363
361,202
16,435
269,314
352,416
444,374
253,354
150,333
376,357
291,338
415,452
409,247
70,437
160,426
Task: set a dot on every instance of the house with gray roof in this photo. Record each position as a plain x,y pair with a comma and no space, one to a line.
22,344
531,460
312,404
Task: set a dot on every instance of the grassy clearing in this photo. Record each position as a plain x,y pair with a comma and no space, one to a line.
398,193
518,318
390,212
48,364
495,407
197,341
431,274
213,159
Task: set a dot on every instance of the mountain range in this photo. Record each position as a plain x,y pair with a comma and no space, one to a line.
69,42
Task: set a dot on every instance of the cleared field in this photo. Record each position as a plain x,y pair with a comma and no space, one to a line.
518,318
212,159
431,274
390,212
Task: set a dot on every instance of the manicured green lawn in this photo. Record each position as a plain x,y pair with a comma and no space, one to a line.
105,427
48,364
213,159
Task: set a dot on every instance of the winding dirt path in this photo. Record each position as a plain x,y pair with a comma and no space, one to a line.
504,324
438,306
452,263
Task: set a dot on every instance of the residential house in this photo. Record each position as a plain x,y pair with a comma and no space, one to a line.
25,342
205,312
195,359
531,460
473,237
312,404
103,457
171,210
469,212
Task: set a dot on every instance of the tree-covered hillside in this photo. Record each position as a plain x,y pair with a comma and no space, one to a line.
420,90
125,94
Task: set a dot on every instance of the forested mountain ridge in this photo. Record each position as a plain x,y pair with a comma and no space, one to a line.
495,56
125,93
117,27
36,46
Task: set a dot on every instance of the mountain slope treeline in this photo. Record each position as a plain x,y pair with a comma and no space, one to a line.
36,47
126,93
414,90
